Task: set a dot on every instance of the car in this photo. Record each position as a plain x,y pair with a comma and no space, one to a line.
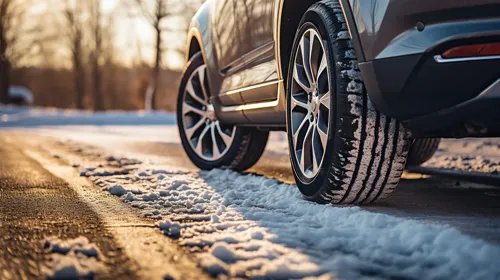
356,85
21,96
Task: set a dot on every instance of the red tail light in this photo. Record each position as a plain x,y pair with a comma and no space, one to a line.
473,50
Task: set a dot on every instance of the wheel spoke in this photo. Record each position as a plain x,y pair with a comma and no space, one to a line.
307,139
190,90
201,75
299,77
191,130
297,102
325,100
297,132
311,54
305,46
226,138
199,148
314,151
323,137
322,67
186,108
215,147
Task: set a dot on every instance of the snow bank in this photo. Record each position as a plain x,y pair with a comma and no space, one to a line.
34,117
251,226
73,258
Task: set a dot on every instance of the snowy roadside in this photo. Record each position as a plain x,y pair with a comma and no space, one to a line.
73,259
251,226
476,155
35,117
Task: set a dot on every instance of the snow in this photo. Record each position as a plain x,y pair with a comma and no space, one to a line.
73,258
11,116
469,155
117,190
251,226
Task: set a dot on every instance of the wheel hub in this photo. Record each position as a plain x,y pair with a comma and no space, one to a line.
315,103
310,104
211,112
208,138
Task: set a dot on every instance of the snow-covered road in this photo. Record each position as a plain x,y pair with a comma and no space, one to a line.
257,225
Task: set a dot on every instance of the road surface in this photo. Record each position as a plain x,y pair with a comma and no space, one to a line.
123,201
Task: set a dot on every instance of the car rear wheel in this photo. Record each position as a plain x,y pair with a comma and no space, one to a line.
208,142
422,150
342,150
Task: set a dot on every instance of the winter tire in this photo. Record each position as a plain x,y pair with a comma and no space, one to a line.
422,150
208,142
343,151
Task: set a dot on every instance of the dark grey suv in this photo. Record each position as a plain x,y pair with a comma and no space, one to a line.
353,82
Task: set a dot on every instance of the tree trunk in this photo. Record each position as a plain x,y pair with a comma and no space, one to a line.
97,86
4,67
98,103
156,71
79,76
4,81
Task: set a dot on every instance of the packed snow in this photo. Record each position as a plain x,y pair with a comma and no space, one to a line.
73,258
251,226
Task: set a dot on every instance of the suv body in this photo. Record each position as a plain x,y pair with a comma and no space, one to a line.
397,43
422,69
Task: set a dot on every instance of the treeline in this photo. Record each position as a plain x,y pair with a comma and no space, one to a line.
123,88
66,52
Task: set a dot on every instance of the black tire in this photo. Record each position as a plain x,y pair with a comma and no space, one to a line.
422,150
366,151
248,143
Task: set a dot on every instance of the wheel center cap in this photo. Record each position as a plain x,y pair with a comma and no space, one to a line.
315,104
211,112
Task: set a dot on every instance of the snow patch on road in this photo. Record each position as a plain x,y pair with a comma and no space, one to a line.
250,226
73,258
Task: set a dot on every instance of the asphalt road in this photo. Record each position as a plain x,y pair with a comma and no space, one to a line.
36,204
42,196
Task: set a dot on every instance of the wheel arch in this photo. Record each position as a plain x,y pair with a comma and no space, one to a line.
193,47
289,14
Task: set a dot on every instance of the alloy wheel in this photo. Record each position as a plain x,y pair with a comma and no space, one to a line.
310,104
206,135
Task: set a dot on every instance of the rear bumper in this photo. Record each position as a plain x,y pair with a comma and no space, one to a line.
413,86
478,117
402,76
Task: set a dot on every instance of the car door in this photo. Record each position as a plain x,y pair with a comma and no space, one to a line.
258,76
225,42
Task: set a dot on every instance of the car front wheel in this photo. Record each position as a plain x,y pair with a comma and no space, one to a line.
342,149
208,142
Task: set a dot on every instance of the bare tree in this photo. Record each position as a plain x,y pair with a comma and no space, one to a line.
4,62
96,31
11,13
155,11
75,35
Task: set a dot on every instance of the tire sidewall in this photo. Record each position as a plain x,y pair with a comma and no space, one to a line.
311,186
195,62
